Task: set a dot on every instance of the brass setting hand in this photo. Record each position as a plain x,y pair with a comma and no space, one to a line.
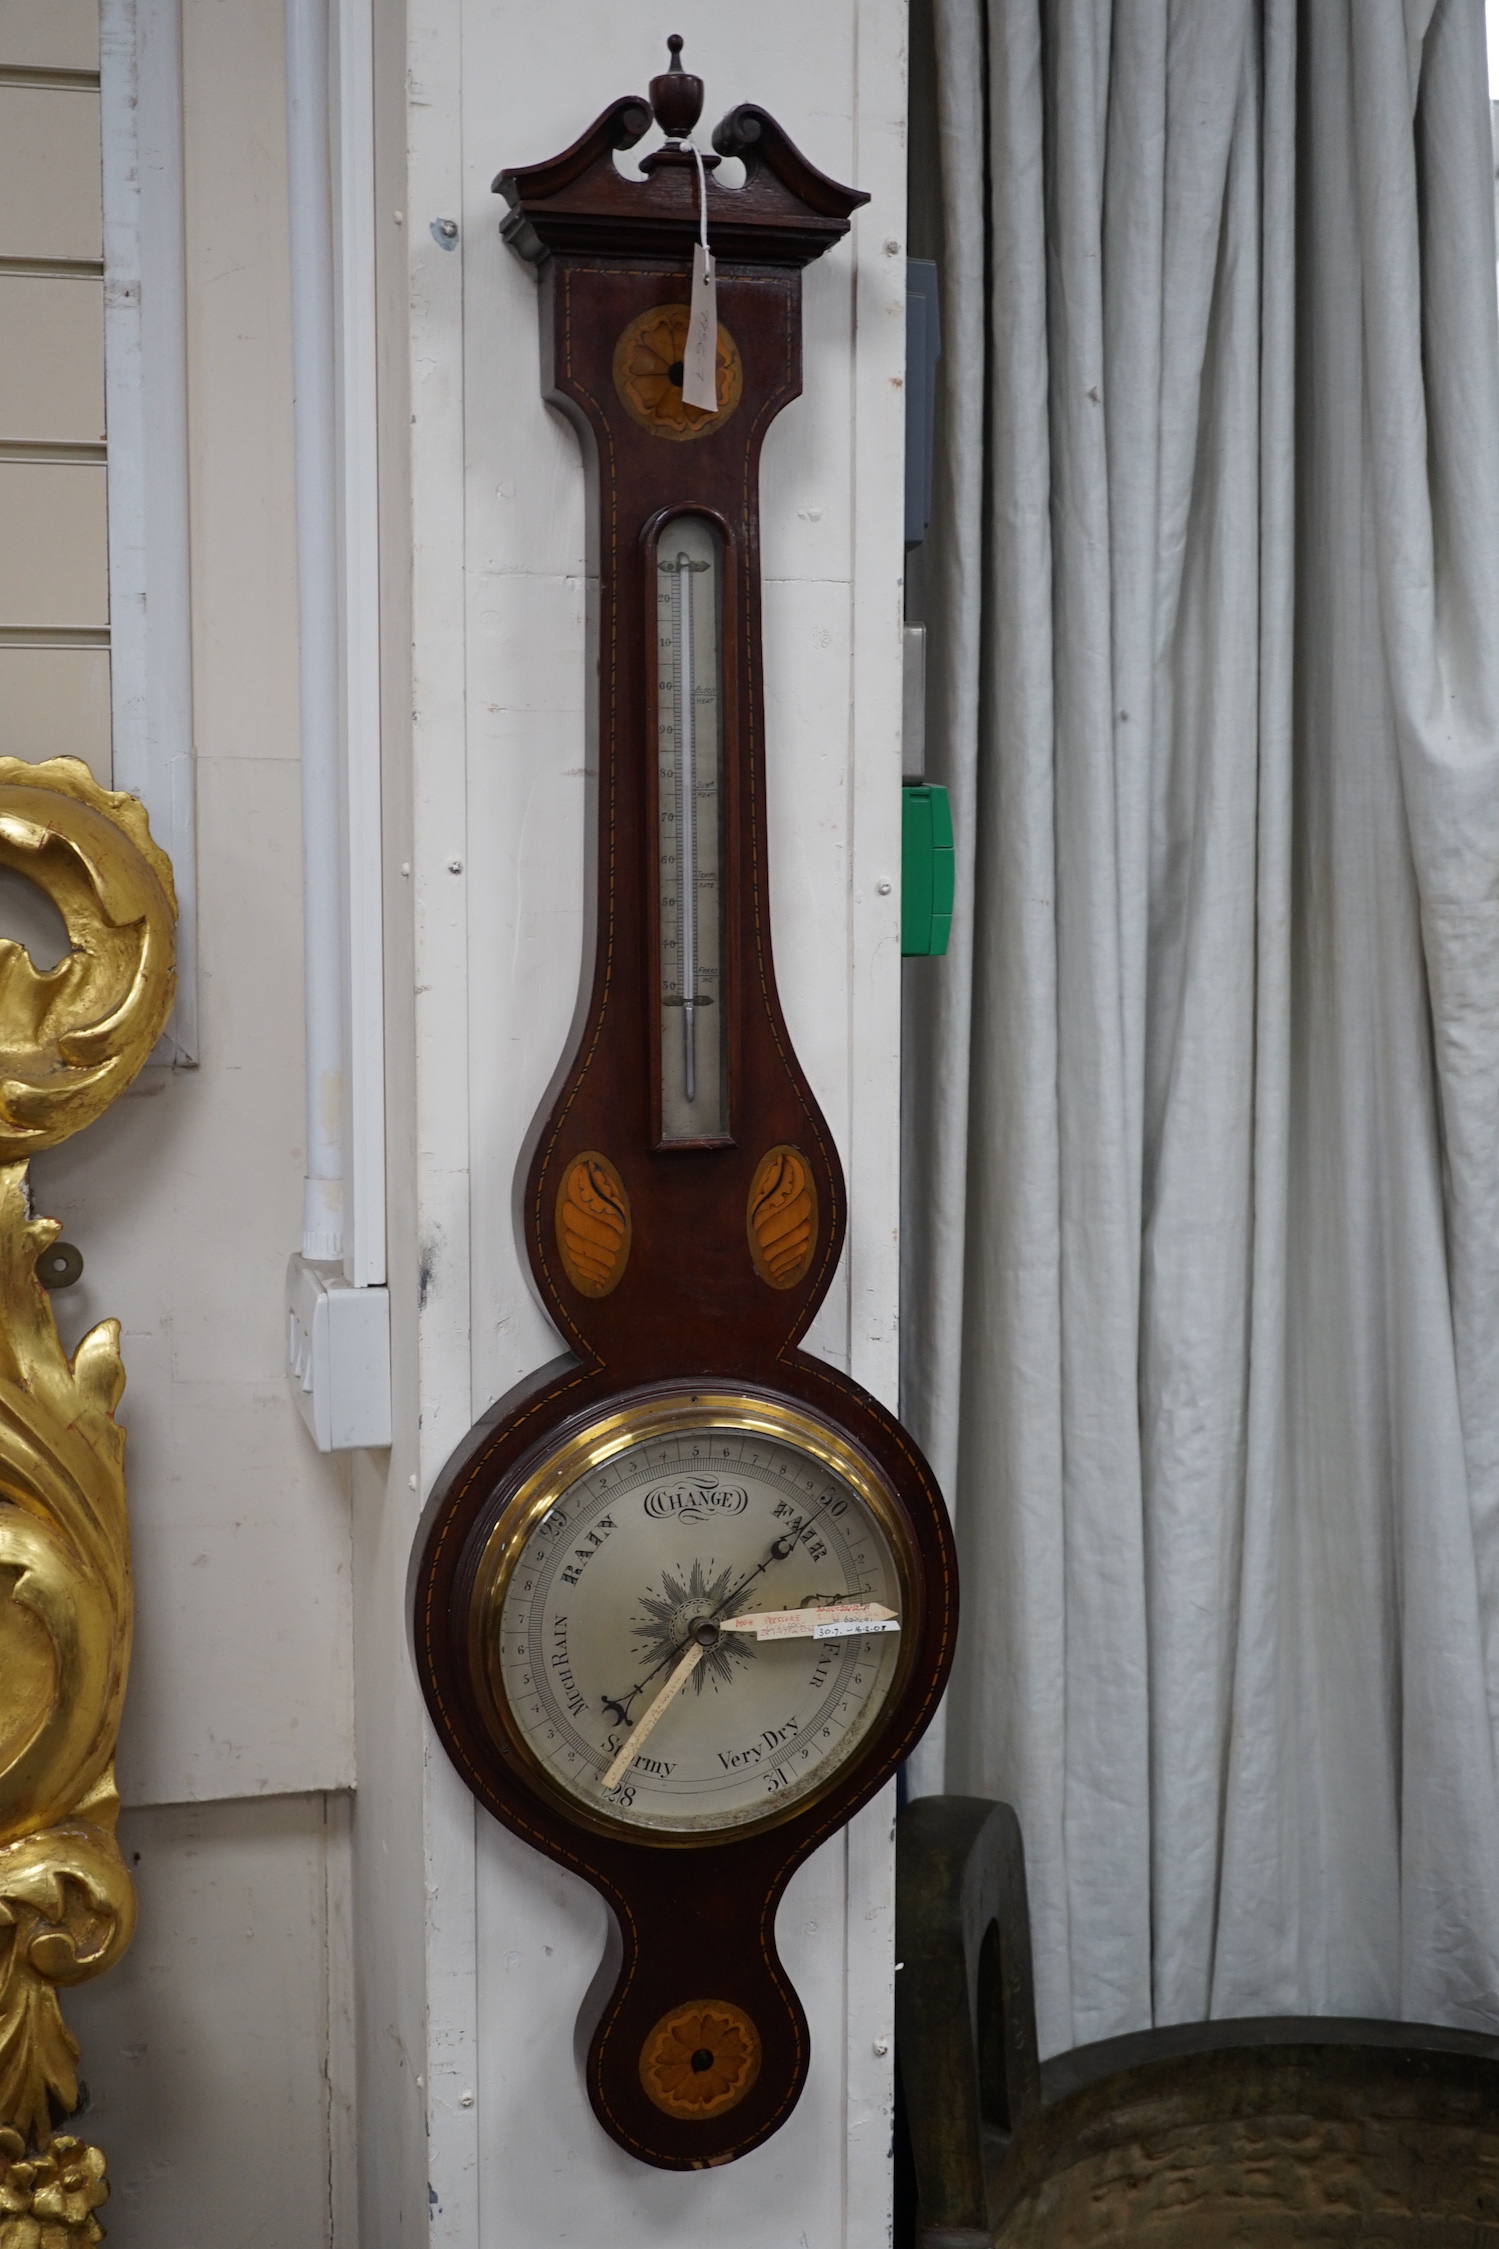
839,1620
781,1549
646,1723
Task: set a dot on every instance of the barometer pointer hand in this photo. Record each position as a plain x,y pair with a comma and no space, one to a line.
781,1548
785,1545
644,1725
620,1704
830,1620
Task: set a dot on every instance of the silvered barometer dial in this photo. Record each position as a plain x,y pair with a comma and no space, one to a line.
728,1576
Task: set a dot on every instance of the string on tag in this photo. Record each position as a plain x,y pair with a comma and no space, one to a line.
700,358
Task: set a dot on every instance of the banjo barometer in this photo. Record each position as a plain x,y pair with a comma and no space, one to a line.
684,1601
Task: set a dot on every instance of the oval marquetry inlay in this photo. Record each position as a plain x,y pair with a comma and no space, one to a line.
782,1217
593,1223
701,2059
648,375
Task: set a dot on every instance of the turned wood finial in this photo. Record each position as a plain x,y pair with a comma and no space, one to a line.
676,96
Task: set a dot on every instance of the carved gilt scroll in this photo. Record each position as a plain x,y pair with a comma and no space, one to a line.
72,1038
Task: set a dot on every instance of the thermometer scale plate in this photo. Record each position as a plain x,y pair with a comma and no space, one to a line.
694,1090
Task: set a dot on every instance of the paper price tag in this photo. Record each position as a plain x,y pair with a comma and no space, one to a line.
700,358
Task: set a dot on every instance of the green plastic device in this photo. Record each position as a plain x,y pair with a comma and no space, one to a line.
927,871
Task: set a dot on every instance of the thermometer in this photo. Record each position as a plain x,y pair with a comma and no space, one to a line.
689,755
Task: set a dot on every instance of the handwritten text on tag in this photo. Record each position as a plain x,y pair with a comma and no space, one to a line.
700,358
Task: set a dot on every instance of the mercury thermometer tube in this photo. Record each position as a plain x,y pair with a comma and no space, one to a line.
689,758
686,821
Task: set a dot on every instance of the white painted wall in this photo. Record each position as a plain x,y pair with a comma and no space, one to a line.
473,2119
219,2053
186,1196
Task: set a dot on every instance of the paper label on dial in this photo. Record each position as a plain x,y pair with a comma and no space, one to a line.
816,1624
700,354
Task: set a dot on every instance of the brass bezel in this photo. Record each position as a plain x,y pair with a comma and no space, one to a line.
587,1448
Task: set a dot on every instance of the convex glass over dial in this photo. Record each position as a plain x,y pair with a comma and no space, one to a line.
691,1617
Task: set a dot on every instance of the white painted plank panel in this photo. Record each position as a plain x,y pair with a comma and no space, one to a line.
527,783
872,1261
146,408
50,203
53,550
50,34
550,2172
183,1198
807,653
806,472
444,999
207,2050
244,614
54,702
51,359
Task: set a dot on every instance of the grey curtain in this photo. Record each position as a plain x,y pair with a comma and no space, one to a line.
1202,1324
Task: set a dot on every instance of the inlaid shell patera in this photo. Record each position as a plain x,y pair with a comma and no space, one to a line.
701,2059
648,375
593,1223
782,1217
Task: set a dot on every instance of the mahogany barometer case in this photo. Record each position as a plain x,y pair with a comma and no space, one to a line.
684,1601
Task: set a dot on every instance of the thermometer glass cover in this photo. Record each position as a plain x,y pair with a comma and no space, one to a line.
689,841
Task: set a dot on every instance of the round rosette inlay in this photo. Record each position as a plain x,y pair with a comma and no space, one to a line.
701,2059
648,375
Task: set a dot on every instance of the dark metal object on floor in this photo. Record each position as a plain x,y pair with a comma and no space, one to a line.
1272,2130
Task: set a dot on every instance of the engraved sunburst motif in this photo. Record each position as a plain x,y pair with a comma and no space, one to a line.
671,1614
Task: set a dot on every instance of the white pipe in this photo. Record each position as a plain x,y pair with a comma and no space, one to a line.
317,615
352,115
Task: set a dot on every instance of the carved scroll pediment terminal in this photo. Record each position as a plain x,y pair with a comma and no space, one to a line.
786,213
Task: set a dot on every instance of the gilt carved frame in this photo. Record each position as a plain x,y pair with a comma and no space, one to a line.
72,1038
